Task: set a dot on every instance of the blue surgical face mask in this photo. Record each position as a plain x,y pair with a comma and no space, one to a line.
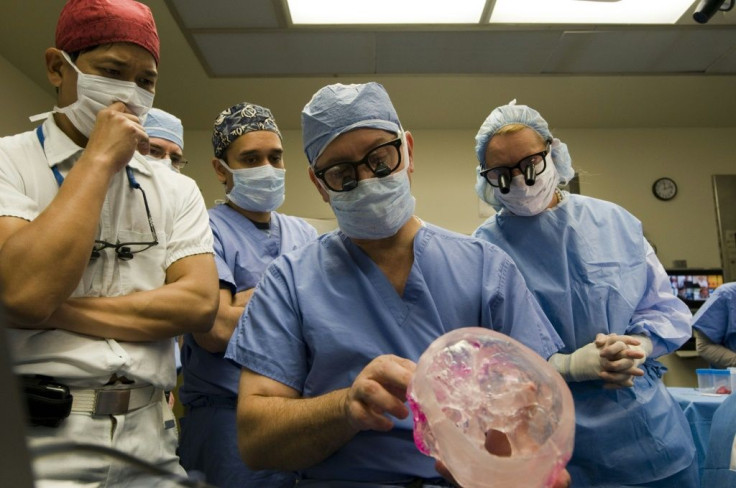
259,189
377,208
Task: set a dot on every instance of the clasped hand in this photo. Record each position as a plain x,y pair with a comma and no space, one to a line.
620,357
612,358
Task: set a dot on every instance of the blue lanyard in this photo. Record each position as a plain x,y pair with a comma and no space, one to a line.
60,178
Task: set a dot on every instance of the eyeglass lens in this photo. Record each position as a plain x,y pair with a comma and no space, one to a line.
160,153
381,160
530,167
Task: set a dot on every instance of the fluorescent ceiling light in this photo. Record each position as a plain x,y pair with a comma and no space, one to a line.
386,11
589,11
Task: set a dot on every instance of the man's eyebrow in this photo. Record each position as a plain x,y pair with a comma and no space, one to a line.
250,152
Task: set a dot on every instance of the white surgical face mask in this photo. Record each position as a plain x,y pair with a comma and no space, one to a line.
377,208
484,190
162,161
526,200
259,189
97,92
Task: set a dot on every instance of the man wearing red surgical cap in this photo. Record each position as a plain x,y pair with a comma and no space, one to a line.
102,258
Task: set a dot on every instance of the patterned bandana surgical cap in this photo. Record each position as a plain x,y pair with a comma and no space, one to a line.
238,120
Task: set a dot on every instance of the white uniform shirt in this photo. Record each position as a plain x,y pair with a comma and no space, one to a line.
28,185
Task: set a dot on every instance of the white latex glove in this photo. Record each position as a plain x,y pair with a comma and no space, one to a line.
612,358
645,347
621,356
582,365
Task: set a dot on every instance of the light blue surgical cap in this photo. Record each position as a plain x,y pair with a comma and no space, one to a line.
164,126
336,109
521,114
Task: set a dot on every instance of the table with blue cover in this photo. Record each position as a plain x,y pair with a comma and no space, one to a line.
699,409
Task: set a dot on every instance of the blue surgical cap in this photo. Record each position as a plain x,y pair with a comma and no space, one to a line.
336,109
240,119
521,114
164,126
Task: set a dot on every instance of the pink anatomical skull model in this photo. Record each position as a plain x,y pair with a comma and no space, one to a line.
492,410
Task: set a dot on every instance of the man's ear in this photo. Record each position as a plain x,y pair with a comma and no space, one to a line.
315,180
410,150
219,171
55,66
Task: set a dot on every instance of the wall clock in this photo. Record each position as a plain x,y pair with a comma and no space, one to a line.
664,188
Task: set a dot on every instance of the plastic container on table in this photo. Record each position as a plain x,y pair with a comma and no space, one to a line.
714,381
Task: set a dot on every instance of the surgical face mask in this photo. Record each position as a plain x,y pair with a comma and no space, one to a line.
162,161
97,92
259,189
526,200
485,191
377,208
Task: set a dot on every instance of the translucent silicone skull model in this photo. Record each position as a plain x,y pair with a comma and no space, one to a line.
492,410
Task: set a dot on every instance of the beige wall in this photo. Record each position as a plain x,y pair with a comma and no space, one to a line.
19,98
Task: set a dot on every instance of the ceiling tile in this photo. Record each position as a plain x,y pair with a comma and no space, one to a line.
726,64
638,51
464,52
225,14
287,53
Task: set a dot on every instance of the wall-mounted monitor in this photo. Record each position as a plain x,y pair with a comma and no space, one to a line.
694,286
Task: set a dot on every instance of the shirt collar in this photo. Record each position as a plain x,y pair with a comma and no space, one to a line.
57,145
60,148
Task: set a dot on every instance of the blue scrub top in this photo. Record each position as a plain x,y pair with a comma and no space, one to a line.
717,317
242,253
323,312
590,268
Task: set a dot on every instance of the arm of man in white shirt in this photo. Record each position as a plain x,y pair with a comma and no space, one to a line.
186,303
34,281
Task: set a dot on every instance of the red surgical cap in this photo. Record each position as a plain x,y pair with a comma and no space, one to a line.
88,23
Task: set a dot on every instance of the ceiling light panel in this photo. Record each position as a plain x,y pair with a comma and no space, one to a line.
589,11
315,12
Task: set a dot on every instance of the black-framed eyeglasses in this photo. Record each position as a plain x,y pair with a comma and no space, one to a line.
381,160
127,250
159,152
530,166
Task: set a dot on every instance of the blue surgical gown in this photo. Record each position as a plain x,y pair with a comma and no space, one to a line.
209,387
592,271
717,317
323,312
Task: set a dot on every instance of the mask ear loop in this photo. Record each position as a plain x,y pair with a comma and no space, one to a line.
225,165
